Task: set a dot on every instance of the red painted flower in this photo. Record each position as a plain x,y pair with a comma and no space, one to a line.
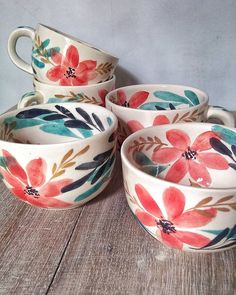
169,225
189,158
68,69
135,100
135,125
30,184
102,94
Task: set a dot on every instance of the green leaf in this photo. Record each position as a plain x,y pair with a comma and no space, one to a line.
172,97
227,135
38,63
48,52
58,129
141,159
154,105
192,96
3,162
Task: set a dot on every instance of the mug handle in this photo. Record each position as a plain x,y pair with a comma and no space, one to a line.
29,99
12,40
222,114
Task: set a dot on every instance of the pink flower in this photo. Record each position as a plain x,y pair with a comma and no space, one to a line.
30,184
135,125
68,69
169,226
135,100
189,158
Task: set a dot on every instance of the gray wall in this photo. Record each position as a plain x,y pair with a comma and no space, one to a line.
158,41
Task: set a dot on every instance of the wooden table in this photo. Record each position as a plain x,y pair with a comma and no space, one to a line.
99,249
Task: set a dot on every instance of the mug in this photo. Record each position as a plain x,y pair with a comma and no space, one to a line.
60,59
46,93
141,106
57,156
180,184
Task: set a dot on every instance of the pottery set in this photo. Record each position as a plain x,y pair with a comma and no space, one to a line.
58,149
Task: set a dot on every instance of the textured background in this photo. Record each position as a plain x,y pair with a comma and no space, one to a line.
158,41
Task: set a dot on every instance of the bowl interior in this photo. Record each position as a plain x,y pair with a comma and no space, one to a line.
54,123
157,97
199,155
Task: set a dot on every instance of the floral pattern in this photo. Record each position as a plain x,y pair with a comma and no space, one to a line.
190,158
170,226
134,125
30,184
69,70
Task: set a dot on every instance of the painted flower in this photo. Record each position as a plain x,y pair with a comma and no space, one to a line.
102,94
169,226
68,69
30,184
189,158
135,100
135,125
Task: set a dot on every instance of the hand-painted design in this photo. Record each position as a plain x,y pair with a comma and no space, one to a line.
68,70
221,148
189,116
224,204
189,158
168,228
224,239
190,97
41,55
147,144
104,68
30,184
121,134
219,107
134,101
101,165
59,121
147,165
134,125
6,132
225,134
77,97
66,162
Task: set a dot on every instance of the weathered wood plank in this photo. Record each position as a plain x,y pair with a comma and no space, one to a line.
110,254
32,242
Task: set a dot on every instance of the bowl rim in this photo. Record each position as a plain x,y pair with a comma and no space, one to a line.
83,43
43,85
148,177
119,107
109,129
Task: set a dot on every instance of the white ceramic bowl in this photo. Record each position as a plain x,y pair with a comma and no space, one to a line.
57,155
180,184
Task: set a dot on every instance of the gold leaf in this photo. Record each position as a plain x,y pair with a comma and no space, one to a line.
184,116
68,164
58,173
175,118
150,138
44,60
142,139
72,93
223,209
59,96
67,155
54,168
224,199
233,206
203,202
157,139
205,213
157,148
84,150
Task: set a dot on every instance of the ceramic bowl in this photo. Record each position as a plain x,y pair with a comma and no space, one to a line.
46,93
141,106
180,184
61,59
57,155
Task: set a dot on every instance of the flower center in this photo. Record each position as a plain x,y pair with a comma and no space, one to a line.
166,226
70,73
29,190
125,104
189,154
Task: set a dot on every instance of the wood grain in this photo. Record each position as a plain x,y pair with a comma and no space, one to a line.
99,249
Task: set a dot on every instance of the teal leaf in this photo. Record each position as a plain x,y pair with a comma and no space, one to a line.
23,123
28,94
54,100
85,132
141,159
153,105
109,121
225,134
38,63
172,97
192,96
3,162
45,43
48,52
58,129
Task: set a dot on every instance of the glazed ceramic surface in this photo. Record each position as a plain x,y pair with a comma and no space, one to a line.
57,156
141,106
180,184
46,93
58,58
